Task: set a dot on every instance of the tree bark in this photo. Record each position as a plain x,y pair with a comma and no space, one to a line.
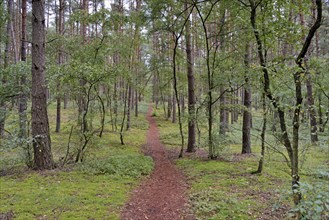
169,108
60,62
173,119
129,107
176,94
210,82
40,126
82,103
291,146
3,108
136,103
311,109
190,84
22,105
263,136
246,125
309,89
223,114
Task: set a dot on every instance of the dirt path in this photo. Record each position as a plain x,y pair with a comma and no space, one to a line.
163,195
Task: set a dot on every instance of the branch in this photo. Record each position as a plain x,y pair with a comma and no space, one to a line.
322,90
244,3
48,41
308,40
225,91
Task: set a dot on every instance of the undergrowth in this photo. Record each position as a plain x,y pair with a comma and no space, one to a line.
94,189
226,189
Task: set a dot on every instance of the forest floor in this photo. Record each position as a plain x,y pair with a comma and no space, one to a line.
163,195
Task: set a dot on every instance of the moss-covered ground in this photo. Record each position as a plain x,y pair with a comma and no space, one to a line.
95,189
225,188
219,189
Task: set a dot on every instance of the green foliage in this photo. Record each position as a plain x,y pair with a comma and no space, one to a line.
227,190
315,202
11,76
220,144
123,165
91,190
64,195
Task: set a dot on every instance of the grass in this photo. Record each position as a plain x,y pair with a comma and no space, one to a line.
99,187
95,189
64,195
226,189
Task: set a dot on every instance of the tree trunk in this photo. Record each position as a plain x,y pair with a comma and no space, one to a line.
60,62
246,146
66,100
22,105
182,103
262,154
173,108
210,84
223,115
232,108
311,109
136,103
129,107
40,126
319,96
320,112
191,88
3,108
124,115
176,39
291,147
309,89
169,108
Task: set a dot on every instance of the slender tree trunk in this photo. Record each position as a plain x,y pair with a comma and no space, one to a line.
246,146
66,100
14,22
124,115
319,96
210,84
236,102
128,107
320,112
191,88
309,89
291,147
173,108
311,109
115,103
169,108
176,39
60,62
262,154
182,101
22,105
3,108
223,115
232,108
136,103
40,126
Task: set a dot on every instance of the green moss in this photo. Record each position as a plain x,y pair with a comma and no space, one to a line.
226,189
95,189
69,195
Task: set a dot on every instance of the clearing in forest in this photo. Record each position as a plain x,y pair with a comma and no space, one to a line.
162,196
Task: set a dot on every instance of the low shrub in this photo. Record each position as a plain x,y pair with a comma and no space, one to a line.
127,165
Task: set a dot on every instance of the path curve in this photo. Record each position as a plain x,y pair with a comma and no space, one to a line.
162,196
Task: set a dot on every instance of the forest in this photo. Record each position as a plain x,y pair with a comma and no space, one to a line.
164,109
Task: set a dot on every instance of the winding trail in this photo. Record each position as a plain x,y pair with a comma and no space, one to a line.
162,196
